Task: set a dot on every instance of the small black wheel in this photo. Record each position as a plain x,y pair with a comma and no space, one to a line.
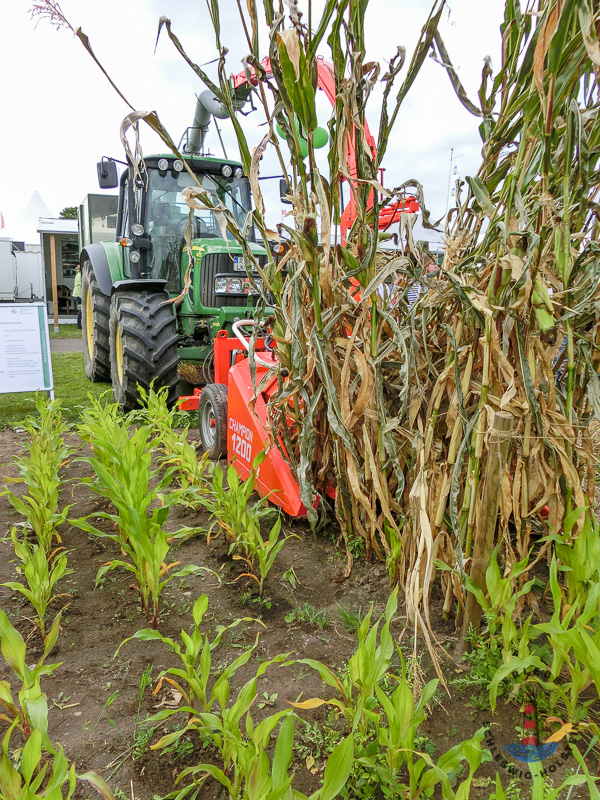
212,420
95,312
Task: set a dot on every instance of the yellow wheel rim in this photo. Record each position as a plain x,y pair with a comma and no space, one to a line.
119,354
89,327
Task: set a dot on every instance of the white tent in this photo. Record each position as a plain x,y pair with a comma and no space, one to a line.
24,227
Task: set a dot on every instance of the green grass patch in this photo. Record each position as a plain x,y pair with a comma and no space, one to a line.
71,388
64,331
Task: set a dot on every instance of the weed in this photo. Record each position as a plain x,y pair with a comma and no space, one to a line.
182,748
308,615
351,619
268,699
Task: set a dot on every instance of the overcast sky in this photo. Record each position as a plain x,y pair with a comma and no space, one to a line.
60,115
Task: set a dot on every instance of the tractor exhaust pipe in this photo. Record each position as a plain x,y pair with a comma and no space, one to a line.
207,106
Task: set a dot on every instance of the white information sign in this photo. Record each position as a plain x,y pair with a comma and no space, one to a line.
25,363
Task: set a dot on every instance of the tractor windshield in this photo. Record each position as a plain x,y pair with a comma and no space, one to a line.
168,212
167,216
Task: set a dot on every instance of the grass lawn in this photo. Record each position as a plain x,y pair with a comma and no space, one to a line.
71,388
64,331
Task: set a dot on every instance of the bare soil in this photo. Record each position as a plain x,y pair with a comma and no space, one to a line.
94,697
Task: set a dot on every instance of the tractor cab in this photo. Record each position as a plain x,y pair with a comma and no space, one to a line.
145,307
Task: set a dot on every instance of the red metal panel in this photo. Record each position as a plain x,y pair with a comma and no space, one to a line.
247,435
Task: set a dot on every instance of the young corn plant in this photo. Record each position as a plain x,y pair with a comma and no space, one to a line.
259,552
247,772
122,462
499,603
29,710
366,668
250,774
578,552
230,504
45,453
574,642
41,572
195,654
38,778
193,471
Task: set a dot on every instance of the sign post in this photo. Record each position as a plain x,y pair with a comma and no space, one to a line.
25,363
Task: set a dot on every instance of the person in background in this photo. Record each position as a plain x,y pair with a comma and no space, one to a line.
429,268
76,293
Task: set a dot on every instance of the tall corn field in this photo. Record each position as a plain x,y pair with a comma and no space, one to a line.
451,425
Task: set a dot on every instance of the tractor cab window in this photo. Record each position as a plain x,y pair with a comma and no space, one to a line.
168,216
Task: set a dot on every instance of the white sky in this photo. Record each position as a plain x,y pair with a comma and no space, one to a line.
60,115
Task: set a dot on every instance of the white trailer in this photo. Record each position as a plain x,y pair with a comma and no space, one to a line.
21,271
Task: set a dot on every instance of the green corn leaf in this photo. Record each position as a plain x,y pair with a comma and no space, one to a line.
13,646
98,783
337,770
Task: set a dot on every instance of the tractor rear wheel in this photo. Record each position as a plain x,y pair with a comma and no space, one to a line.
143,346
95,312
212,420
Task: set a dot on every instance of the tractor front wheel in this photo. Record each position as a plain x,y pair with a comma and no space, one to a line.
143,346
95,311
212,420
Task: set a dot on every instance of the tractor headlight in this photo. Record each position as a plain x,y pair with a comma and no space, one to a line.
226,170
241,286
177,165
163,164
238,173
134,256
137,229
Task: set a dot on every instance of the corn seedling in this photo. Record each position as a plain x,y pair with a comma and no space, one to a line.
366,668
29,710
124,475
34,781
230,504
192,471
241,753
39,471
259,551
41,572
192,678
578,552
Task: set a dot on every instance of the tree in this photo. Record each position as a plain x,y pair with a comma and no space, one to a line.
69,212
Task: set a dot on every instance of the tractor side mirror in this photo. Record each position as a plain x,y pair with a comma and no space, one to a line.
284,190
107,174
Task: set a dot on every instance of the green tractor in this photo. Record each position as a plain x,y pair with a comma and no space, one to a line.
139,319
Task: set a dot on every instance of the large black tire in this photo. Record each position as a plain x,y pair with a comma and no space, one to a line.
212,420
143,346
95,313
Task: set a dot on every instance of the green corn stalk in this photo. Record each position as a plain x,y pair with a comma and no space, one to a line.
230,504
29,711
366,668
125,476
241,751
193,676
36,777
579,554
264,551
39,471
41,573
